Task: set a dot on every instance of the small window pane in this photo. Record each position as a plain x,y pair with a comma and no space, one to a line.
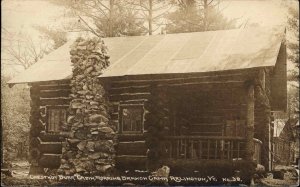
131,119
56,116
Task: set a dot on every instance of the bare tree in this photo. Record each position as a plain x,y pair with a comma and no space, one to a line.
57,37
23,51
103,18
198,15
209,11
151,11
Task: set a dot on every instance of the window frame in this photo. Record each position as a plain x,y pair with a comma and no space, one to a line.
121,107
48,109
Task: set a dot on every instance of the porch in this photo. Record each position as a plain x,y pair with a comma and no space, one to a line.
191,119
210,124
209,147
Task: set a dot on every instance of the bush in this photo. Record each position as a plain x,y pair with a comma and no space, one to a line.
15,110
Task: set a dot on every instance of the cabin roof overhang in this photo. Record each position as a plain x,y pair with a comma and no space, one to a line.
173,54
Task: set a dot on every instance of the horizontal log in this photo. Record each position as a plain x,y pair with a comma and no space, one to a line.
207,85
208,111
217,133
181,78
114,116
132,148
196,119
134,102
46,137
129,89
55,101
55,87
209,119
216,86
115,107
51,147
133,162
55,93
129,96
50,161
206,131
130,137
208,124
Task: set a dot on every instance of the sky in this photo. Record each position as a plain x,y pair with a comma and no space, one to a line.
262,12
19,16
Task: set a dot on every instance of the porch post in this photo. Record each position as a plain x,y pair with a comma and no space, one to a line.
263,115
250,123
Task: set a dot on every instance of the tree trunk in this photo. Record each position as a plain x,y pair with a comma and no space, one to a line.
150,17
205,9
110,21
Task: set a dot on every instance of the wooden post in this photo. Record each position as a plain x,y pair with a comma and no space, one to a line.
263,114
250,123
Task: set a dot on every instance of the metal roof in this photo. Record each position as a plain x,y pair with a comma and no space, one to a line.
171,53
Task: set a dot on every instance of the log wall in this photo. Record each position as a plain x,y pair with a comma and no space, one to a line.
46,148
209,102
220,100
35,130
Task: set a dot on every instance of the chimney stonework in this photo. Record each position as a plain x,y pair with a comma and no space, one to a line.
89,148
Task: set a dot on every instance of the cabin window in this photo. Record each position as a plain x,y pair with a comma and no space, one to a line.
56,117
131,119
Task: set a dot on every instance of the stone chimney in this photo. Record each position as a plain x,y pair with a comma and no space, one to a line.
89,147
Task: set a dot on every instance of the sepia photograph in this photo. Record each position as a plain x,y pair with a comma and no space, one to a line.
150,93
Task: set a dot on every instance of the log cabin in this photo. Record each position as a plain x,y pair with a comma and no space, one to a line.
200,97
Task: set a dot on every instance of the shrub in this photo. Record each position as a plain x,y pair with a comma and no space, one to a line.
15,109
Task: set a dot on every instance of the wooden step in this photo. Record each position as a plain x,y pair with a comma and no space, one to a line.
50,161
51,147
132,148
131,162
46,137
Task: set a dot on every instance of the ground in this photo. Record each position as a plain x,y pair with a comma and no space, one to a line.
20,171
291,177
